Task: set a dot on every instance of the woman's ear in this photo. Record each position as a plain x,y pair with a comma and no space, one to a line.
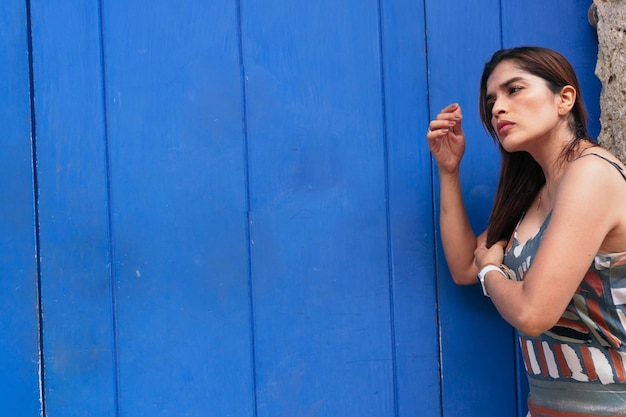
567,99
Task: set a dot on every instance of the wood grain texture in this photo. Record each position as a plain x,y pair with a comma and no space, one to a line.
179,208
237,214
317,187
19,344
410,210
77,294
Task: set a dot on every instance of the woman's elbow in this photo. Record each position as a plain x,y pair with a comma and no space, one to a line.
532,331
534,323
463,279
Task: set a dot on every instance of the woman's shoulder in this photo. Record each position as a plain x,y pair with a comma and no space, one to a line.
595,179
593,190
597,163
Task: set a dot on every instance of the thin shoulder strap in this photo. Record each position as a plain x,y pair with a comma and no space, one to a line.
610,161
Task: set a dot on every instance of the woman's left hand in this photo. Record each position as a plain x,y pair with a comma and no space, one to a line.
486,256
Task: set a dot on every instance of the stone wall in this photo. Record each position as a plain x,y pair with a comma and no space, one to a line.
609,17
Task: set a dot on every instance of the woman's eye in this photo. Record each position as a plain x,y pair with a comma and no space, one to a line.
513,90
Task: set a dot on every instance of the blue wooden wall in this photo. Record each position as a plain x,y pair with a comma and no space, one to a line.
227,208
19,298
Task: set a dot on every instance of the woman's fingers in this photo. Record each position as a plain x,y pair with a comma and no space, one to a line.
445,138
435,131
450,108
451,112
448,119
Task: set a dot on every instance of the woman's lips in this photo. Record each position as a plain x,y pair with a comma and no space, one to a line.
504,126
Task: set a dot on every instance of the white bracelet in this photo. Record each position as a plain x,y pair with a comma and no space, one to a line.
483,272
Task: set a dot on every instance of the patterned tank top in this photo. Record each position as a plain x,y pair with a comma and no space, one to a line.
578,367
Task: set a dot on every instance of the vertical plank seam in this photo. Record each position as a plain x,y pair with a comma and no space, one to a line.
516,368
33,138
109,209
516,353
434,222
501,27
392,324
246,161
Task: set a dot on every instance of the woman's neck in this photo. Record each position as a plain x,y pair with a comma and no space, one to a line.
553,164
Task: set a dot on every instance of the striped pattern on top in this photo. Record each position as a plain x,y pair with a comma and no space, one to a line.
579,364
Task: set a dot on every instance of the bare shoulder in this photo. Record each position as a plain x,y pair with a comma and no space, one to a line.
594,180
598,166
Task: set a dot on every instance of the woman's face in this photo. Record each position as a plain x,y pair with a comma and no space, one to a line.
524,110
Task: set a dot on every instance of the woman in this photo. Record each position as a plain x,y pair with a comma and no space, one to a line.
553,258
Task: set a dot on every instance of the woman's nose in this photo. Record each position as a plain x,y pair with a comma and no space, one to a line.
498,107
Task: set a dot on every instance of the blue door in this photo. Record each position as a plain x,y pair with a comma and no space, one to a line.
19,298
227,208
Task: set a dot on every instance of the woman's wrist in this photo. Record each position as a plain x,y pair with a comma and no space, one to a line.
453,175
489,267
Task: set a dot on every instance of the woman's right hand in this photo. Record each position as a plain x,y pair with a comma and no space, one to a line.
446,139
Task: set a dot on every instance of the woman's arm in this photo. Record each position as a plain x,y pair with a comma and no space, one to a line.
457,237
588,214
446,142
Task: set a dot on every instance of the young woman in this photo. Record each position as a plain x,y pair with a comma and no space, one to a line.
553,258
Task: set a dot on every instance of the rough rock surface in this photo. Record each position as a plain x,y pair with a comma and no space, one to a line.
610,19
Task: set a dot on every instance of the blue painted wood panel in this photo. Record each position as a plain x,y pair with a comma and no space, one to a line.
178,208
410,209
319,233
79,377
19,343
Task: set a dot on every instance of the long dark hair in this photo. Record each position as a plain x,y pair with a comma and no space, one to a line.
521,177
